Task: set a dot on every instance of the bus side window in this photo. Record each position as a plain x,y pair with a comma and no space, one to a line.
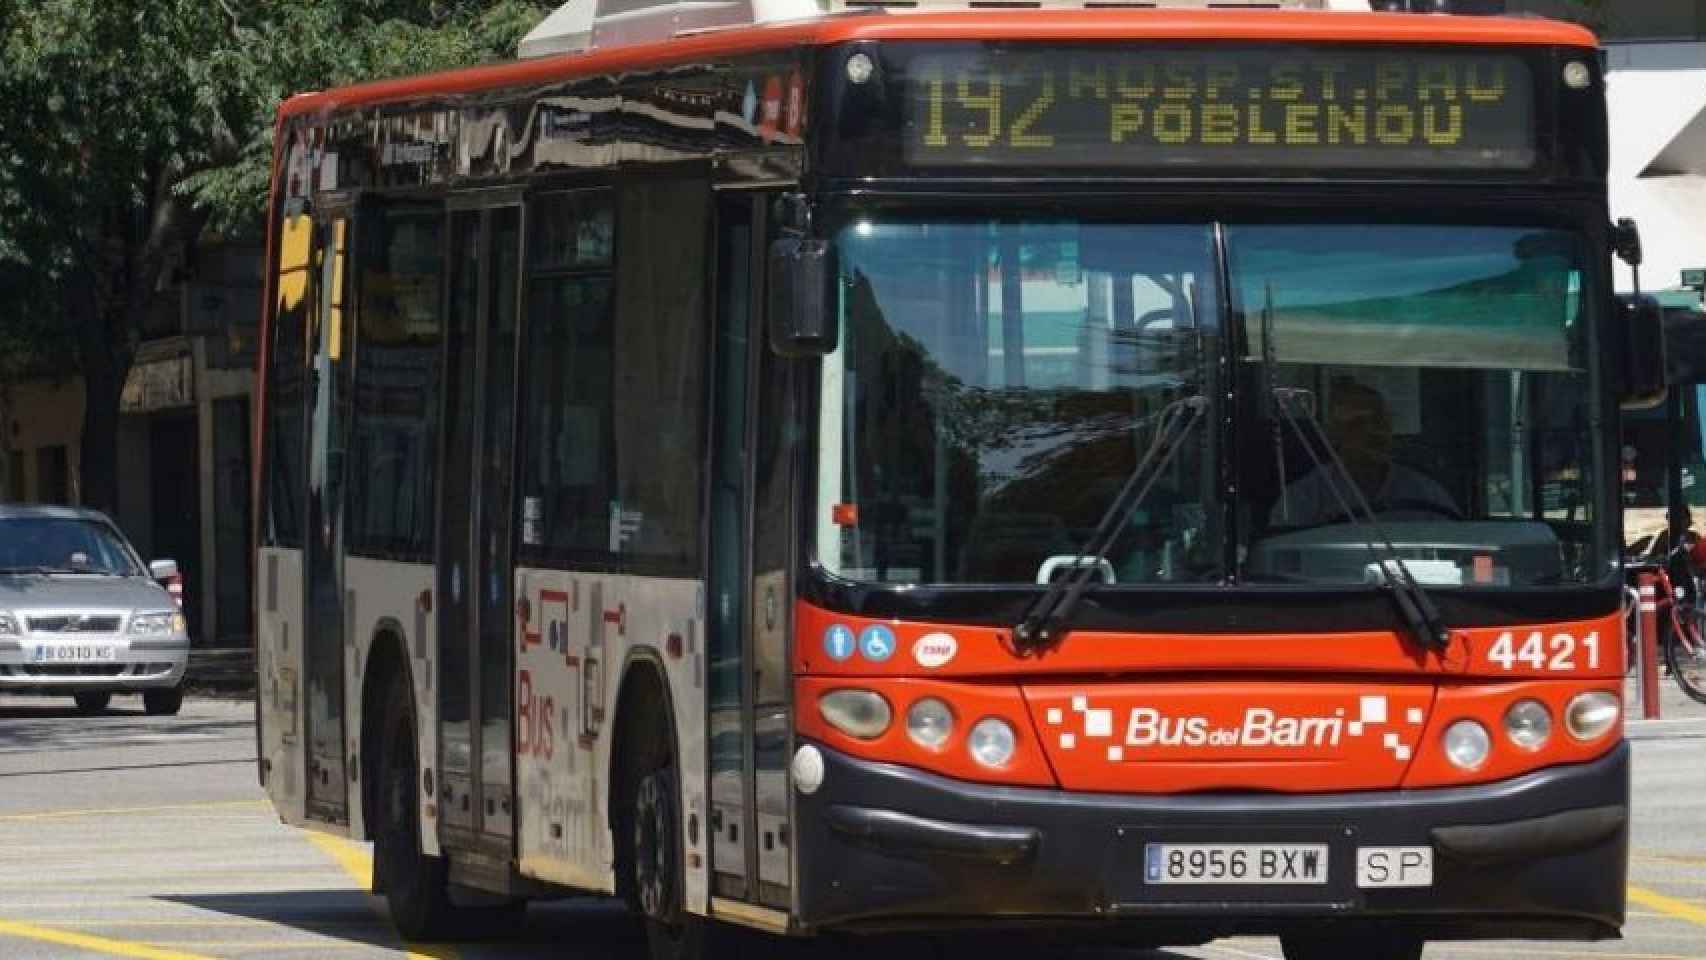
567,421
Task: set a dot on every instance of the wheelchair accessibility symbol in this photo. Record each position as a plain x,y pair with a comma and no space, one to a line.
876,642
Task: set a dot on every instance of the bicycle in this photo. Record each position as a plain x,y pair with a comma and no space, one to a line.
1681,616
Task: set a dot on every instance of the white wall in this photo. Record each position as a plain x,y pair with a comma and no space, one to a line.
1657,92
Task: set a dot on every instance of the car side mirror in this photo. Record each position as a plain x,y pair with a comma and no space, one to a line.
800,315
1642,334
163,570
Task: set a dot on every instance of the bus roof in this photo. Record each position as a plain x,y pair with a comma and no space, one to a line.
1090,25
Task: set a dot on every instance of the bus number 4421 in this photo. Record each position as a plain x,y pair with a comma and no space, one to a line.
1540,652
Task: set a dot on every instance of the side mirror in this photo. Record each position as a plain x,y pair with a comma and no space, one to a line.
1642,374
801,317
166,574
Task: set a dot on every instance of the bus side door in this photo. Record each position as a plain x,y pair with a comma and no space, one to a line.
750,600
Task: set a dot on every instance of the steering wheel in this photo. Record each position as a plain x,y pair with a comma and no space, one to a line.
1444,510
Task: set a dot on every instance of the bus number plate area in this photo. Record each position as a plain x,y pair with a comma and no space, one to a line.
1229,863
1278,864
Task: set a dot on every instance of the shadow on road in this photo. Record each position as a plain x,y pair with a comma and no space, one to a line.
344,915
600,929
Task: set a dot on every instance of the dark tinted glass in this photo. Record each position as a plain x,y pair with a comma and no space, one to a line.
396,389
286,476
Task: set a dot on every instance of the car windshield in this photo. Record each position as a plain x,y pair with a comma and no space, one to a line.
63,545
997,382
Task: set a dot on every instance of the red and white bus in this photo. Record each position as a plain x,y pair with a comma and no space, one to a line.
1143,472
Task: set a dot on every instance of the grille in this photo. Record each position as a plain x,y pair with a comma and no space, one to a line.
72,670
96,624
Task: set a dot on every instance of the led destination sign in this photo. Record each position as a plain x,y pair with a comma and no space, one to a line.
1260,108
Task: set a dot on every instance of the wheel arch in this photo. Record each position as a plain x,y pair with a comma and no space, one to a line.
387,658
643,701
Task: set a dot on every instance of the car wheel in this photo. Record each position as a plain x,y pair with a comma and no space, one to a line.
164,702
1368,946
92,702
416,884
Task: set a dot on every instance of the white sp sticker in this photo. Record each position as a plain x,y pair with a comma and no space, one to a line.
935,649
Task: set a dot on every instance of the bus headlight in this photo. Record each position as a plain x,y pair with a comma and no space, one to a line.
1591,715
1467,744
1528,724
808,769
858,713
992,742
929,722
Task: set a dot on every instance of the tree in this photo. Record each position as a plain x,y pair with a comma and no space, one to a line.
125,129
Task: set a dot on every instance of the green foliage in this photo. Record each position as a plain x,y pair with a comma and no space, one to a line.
283,47
128,126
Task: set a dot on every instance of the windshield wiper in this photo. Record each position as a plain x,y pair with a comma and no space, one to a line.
1414,605
1049,619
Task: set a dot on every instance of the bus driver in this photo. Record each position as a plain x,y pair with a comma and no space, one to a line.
1359,427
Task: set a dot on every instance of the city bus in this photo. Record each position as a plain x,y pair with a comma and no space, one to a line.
1148,475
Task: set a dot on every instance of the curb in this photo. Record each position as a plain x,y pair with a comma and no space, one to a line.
225,672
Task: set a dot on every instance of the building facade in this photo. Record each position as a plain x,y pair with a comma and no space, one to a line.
184,440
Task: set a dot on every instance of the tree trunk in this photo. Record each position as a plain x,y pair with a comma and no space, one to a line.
103,383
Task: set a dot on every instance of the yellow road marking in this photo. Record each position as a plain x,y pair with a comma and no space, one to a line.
318,946
354,860
1676,908
83,941
358,863
297,923
1663,858
115,811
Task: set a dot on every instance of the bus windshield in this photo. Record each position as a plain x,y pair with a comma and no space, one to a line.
997,382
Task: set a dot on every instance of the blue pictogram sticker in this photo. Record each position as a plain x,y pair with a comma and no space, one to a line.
876,642
838,642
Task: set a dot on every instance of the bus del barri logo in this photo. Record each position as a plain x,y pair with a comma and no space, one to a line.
1149,727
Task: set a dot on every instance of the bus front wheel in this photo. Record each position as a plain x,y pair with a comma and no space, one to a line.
656,857
416,885
1369,946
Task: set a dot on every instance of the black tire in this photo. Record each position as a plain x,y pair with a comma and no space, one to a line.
416,885
92,702
1687,667
655,857
1363,946
164,702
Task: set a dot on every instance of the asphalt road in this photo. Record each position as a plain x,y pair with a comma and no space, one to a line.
145,837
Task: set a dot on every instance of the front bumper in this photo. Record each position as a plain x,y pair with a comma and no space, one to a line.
887,847
136,665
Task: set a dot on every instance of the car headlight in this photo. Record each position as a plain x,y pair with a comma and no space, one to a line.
157,624
8,625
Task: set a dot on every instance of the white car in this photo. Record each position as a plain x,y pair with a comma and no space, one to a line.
80,615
